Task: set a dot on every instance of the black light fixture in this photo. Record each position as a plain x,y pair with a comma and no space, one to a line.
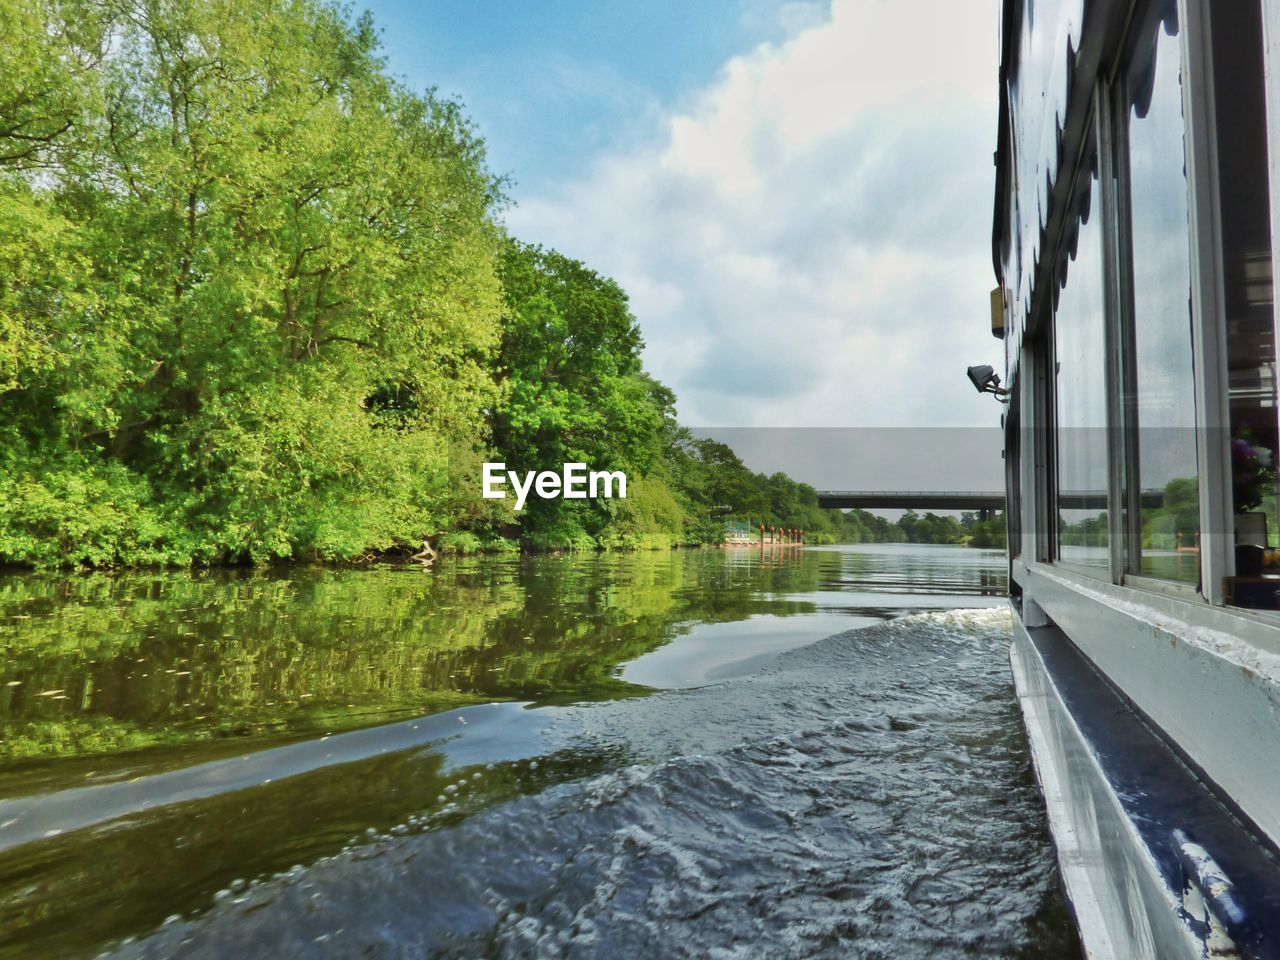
986,380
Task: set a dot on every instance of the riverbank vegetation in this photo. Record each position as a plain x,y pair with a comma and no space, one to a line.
256,302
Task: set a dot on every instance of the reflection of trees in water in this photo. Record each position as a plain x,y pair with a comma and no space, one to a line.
102,665
105,664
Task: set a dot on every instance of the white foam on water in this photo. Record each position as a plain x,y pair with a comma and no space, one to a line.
868,795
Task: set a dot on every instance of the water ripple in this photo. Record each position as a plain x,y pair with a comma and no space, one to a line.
867,796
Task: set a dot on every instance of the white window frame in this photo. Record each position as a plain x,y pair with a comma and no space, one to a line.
1209,335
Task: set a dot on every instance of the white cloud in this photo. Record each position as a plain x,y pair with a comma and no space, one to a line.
807,241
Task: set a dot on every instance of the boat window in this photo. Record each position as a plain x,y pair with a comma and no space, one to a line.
1044,526
1159,380
1080,384
1013,476
1240,105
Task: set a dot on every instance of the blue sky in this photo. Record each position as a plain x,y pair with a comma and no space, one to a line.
796,194
551,84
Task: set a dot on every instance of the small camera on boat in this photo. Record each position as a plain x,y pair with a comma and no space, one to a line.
986,380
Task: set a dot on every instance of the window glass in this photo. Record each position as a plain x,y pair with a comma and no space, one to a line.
1160,378
1080,386
1013,477
1240,105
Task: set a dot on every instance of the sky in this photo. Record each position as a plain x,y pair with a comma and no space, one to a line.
796,194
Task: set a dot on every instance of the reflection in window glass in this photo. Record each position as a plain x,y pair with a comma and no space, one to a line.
1161,384
1013,480
1080,387
1236,31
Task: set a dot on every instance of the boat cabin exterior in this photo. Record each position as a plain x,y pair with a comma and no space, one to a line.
1137,198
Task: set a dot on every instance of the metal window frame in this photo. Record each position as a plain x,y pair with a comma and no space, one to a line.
1093,143
1037,426
1040,422
1208,303
1117,284
1013,475
1127,445
1126,342
1046,446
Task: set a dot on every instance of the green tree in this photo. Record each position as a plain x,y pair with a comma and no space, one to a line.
255,237
575,391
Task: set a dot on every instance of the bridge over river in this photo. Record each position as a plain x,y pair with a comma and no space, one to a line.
982,500
913,499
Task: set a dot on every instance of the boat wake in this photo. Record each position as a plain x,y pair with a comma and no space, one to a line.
869,795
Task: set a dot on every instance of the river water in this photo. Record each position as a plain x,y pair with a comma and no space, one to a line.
694,754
